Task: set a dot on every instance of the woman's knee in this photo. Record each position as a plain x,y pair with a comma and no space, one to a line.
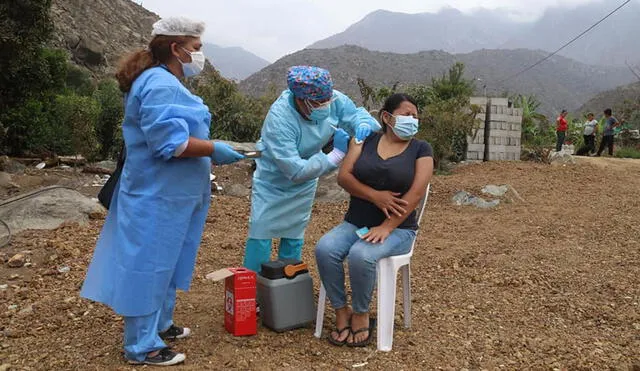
360,257
325,247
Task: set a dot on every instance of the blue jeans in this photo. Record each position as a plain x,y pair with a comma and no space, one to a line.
342,243
259,251
141,333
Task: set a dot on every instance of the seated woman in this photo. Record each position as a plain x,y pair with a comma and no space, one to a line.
387,177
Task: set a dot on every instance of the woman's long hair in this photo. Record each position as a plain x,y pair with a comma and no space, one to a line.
158,52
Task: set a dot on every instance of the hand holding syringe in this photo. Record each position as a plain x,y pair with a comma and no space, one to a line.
356,140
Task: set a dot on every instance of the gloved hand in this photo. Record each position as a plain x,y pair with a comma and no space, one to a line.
362,132
341,140
223,154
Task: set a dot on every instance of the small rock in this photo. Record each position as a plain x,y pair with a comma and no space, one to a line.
14,277
12,307
26,310
17,261
10,166
27,264
4,257
237,190
561,158
5,367
4,287
5,179
64,269
494,190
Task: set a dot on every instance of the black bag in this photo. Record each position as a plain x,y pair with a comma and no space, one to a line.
106,193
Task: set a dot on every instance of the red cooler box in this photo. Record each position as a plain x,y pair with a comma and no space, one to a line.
239,300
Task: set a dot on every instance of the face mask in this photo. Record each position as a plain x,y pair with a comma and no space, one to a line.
319,113
406,127
195,66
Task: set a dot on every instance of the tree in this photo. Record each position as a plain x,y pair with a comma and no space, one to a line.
25,26
373,98
452,85
446,114
534,124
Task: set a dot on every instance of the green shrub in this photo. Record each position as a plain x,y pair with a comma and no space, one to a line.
233,115
109,123
79,81
628,152
76,118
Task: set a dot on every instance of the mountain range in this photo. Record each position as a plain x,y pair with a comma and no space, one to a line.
233,62
559,83
610,43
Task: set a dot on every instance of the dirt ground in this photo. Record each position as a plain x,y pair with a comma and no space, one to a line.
549,283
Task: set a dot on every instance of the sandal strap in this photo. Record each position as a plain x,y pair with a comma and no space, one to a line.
361,330
341,330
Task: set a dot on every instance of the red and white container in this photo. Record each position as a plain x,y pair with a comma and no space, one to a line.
239,300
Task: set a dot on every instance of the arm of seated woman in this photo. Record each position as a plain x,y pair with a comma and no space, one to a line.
386,201
424,171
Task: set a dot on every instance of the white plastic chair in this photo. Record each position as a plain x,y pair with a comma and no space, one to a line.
387,272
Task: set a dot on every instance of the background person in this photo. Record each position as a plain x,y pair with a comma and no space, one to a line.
561,129
610,124
589,136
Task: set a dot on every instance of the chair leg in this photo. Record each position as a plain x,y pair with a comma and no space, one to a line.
406,293
322,299
386,305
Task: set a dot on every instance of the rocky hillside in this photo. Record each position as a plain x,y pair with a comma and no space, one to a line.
559,83
612,98
98,33
611,43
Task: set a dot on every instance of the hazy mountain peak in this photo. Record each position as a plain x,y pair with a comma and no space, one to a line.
611,43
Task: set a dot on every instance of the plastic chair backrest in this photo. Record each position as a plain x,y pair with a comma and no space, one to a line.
423,205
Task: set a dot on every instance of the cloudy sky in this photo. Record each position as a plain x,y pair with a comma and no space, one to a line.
274,28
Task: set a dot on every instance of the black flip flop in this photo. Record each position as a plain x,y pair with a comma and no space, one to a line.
339,343
367,341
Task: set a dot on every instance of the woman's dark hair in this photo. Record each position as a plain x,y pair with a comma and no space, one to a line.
607,112
392,103
158,52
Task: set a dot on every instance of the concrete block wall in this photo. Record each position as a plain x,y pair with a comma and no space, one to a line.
505,131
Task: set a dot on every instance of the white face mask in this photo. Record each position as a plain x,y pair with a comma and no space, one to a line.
195,66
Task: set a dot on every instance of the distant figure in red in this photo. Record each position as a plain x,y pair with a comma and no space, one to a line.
561,129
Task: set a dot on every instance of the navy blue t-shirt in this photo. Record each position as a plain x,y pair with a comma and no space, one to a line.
394,174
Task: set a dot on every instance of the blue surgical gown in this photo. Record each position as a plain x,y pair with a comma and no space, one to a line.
154,226
285,180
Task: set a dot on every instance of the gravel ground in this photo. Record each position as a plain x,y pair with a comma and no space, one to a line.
547,282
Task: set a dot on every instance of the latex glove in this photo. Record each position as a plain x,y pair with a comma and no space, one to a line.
362,132
223,154
341,140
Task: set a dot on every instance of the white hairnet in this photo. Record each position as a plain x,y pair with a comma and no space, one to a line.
178,26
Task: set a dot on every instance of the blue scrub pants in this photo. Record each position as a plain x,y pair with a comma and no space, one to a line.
259,251
141,333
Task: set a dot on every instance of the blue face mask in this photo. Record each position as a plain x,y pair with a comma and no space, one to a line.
406,127
319,113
